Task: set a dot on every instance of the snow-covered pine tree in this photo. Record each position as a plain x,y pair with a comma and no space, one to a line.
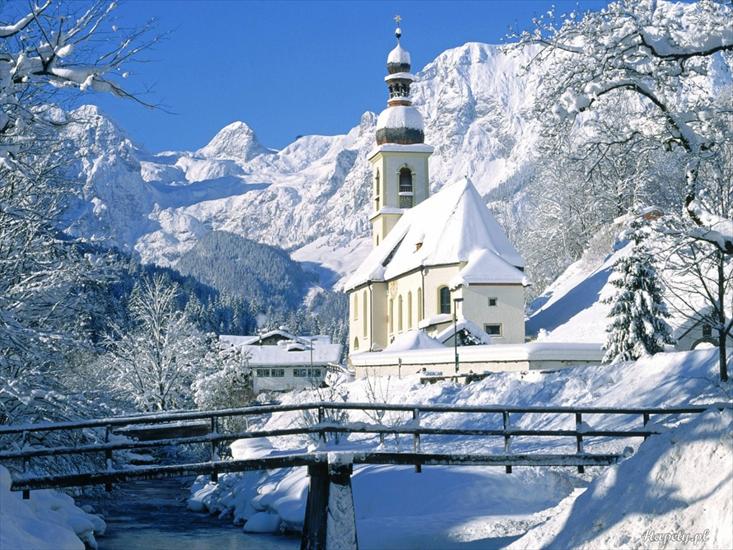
637,325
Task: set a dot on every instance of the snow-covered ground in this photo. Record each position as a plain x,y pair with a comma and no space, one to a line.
676,492
49,520
444,507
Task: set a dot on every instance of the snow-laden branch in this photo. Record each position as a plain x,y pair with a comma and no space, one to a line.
659,56
7,31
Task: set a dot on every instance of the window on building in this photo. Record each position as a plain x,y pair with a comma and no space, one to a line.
399,313
492,302
356,306
263,373
493,330
420,309
356,343
391,315
376,190
314,373
277,373
409,310
707,331
364,317
405,188
300,373
444,300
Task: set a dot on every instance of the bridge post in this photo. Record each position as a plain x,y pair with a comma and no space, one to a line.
579,438
645,418
316,508
213,454
321,417
23,442
416,438
330,521
107,457
505,420
341,524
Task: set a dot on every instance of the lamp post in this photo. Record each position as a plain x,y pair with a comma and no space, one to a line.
456,301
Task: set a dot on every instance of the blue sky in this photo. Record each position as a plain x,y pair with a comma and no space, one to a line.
288,68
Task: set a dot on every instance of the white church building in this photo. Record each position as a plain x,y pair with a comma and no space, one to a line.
438,261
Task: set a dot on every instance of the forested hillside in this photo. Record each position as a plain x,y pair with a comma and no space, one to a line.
261,274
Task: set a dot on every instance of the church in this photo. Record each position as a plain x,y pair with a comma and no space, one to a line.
441,265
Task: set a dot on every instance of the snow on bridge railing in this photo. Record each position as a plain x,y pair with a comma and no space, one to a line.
171,416
323,427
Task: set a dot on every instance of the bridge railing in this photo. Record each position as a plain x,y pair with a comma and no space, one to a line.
322,428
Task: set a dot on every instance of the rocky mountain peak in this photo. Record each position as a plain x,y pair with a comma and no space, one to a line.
236,141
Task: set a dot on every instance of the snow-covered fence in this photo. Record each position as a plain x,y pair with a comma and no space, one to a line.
330,482
173,421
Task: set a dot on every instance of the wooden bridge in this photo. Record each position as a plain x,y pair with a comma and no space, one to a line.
329,469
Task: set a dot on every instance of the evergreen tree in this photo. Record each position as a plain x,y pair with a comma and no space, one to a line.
637,324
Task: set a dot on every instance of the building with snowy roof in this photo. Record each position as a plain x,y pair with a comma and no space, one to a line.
438,261
281,361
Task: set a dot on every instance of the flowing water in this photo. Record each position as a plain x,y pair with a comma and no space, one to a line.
152,515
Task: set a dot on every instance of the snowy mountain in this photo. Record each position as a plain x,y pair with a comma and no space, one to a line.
312,197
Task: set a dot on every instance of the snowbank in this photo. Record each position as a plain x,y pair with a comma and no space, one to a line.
413,339
48,520
676,491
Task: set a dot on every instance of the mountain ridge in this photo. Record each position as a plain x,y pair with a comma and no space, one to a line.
312,196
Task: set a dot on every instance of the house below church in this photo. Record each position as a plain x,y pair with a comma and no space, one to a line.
438,261
281,361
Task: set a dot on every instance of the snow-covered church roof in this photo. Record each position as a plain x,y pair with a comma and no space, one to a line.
453,226
400,116
399,56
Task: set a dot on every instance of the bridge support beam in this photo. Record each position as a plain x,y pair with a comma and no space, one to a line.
330,522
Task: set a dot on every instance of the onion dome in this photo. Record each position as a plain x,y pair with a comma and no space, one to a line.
398,60
400,122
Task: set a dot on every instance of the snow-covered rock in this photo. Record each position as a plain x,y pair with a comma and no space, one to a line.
49,520
236,141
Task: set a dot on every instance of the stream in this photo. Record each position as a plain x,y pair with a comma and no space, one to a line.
153,515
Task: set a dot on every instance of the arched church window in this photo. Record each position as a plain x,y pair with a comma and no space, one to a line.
420,307
376,190
364,307
356,306
391,315
356,343
409,310
399,313
444,295
406,189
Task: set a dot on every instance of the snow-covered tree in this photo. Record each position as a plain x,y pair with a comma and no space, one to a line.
47,280
660,59
155,360
700,274
226,381
637,325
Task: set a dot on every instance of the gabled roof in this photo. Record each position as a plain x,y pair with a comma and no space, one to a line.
281,356
453,226
285,336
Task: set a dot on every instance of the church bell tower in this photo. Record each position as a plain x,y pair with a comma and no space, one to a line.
400,161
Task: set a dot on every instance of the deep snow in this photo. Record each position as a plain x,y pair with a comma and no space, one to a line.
444,507
49,520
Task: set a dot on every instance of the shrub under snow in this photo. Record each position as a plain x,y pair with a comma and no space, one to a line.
49,520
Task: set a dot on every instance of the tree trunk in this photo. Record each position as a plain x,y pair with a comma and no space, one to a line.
722,332
722,355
